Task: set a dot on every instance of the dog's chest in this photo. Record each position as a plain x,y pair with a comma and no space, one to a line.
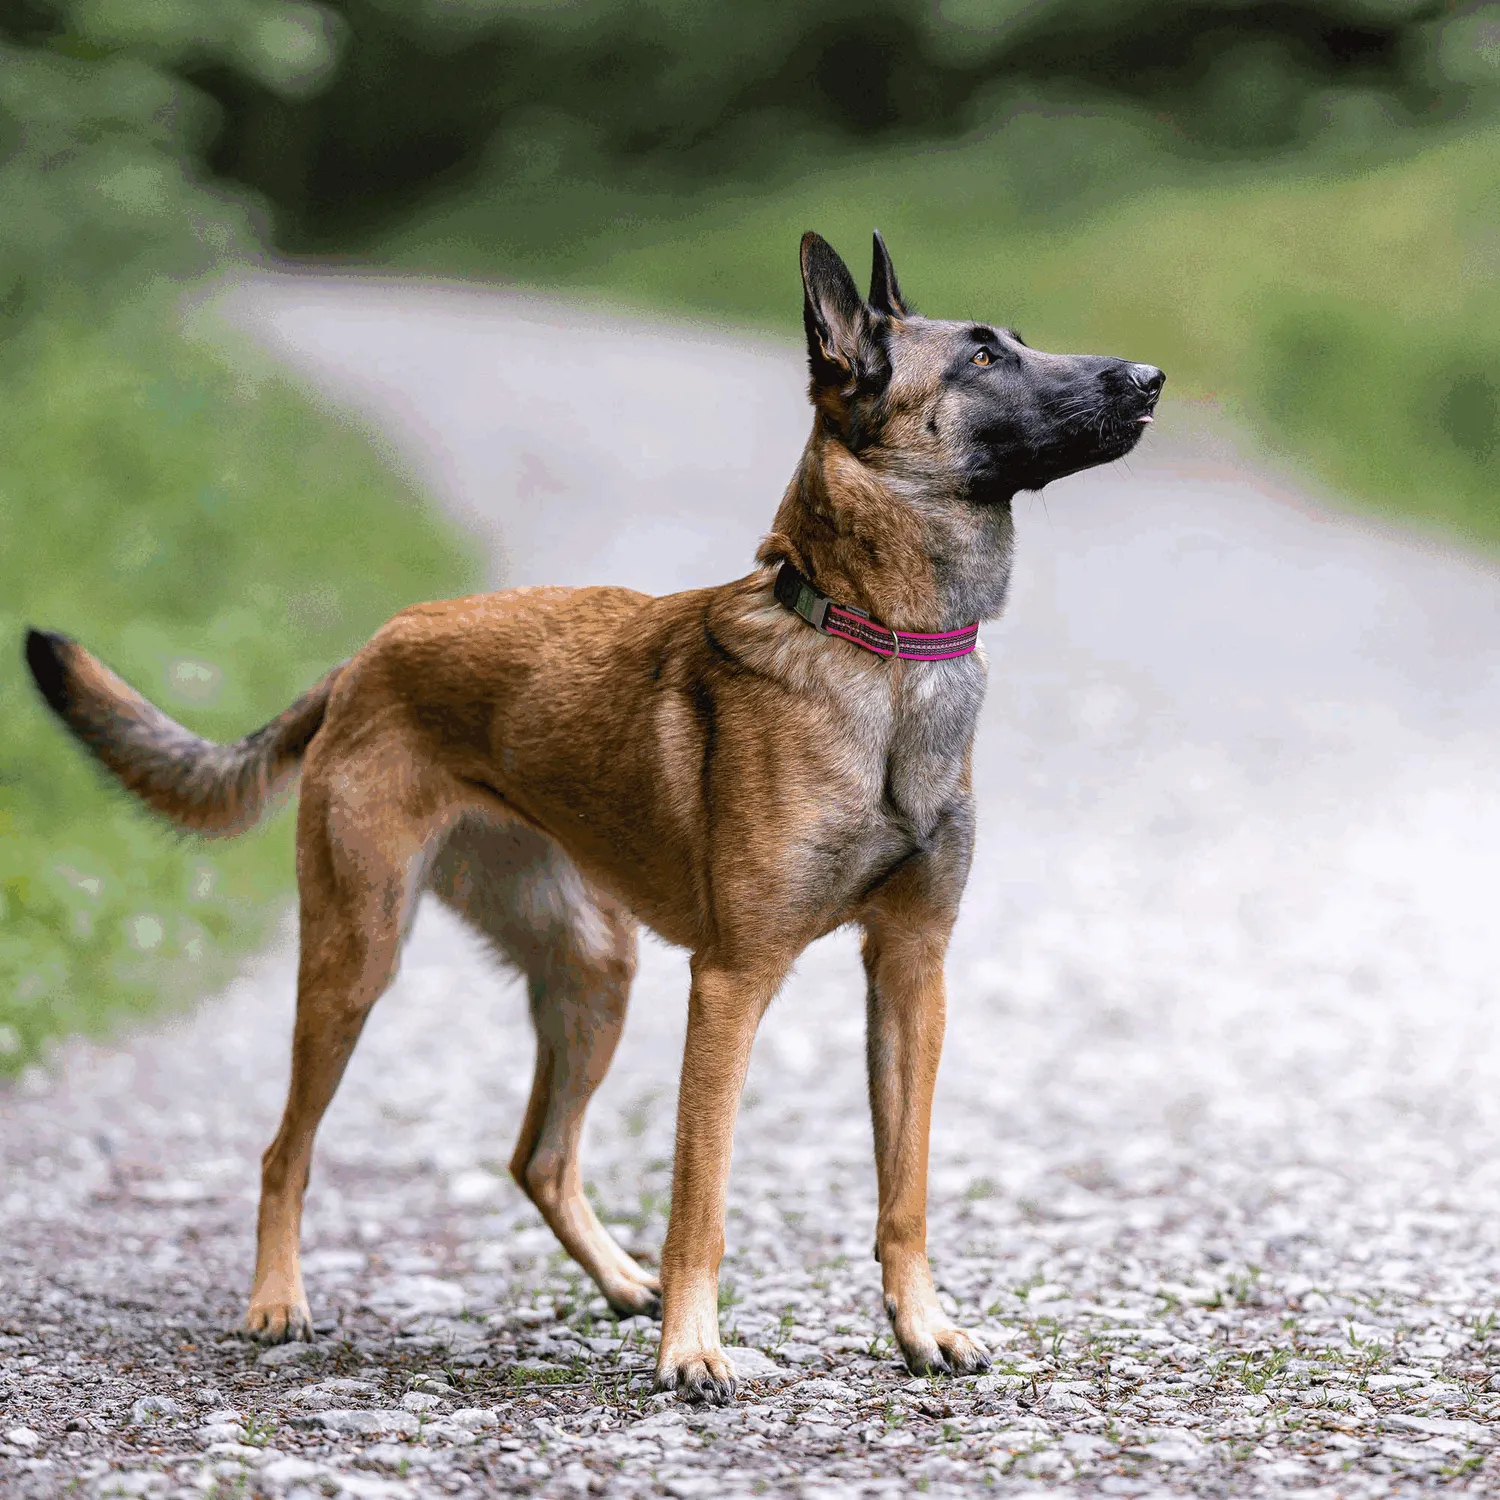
912,743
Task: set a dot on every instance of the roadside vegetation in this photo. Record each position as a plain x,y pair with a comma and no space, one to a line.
218,542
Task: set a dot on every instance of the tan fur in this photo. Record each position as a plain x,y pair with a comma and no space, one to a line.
570,761
560,764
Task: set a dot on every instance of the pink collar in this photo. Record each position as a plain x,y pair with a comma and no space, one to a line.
855,626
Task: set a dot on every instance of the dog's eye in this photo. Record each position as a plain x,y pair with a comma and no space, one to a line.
982,357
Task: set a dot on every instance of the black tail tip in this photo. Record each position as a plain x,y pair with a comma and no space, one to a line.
47,656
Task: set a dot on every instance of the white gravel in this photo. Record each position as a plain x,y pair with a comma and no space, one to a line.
1214,1164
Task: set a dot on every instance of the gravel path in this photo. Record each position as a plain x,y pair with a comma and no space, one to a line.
1215,1161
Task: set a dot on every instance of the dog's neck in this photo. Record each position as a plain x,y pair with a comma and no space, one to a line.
913,556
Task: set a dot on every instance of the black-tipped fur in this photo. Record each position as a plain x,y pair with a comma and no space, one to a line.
193,782
885,291
44,656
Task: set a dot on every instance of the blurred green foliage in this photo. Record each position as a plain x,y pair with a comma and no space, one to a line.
430,95
158,134
103,138
219,543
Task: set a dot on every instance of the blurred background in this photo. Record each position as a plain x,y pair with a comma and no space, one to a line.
1292,205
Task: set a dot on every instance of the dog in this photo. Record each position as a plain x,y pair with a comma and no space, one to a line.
742,768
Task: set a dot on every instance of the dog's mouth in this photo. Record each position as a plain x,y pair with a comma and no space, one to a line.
1135,412
1112,422
1119,423
1097,435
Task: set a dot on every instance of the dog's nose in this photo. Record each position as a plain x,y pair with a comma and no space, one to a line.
1148,378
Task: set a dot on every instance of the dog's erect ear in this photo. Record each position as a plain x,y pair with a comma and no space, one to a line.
833,313
885,293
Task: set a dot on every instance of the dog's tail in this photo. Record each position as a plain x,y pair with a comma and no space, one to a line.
192,782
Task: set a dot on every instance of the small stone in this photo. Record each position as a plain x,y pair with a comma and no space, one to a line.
1047,1292
801,1354
754,1364
366,1487
398,1456
240,1451
1442,1427
22,1437
282,1355
282,1473
579,1480
1179,1448
441,1430
334,1392
420,1401
148,1409
821,1389
221,1432
1084,1445
121,1482
528,1317
476,1418
476,1186
373,1423
668,1422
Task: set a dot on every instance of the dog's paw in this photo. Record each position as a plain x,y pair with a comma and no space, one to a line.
632,1299
279,1322
697,1374
931,1347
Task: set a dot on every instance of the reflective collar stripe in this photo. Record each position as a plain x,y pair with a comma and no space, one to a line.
798,595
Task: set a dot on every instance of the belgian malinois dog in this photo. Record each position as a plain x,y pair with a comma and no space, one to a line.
560,765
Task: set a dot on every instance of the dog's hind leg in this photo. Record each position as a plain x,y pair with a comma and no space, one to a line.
357,870
577,950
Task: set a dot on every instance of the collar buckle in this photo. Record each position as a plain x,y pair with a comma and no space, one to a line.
799,596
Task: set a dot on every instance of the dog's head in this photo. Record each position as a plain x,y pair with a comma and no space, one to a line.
963,409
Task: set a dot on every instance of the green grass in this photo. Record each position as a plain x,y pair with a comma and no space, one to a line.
1345,307
218,542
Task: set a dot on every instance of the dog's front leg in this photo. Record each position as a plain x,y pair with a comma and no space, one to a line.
724,1010
904,948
